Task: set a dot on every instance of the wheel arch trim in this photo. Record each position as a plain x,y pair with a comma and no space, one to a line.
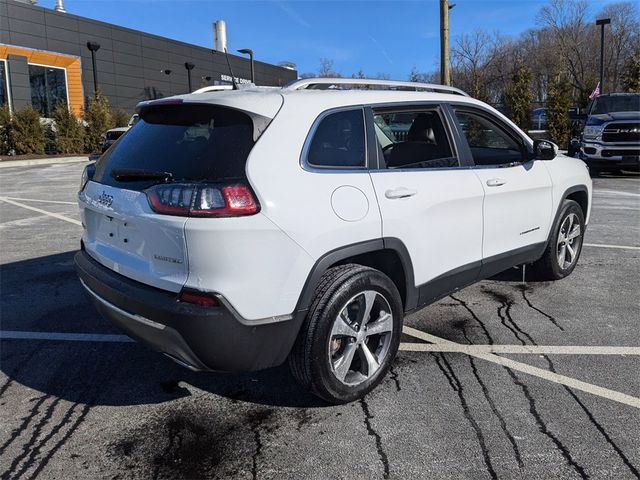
368,246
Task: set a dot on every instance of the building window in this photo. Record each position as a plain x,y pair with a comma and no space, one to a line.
48,88
4,90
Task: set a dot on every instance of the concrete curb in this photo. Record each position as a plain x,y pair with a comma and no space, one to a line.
42,161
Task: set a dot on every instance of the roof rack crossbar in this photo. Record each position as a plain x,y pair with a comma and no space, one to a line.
319,83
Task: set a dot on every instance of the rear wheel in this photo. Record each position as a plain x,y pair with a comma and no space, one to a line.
350,336
565,244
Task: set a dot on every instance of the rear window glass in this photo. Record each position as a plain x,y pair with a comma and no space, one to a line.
192,142
338,142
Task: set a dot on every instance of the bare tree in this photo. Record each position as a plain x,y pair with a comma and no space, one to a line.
326,68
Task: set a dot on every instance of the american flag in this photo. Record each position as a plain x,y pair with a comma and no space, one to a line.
595,93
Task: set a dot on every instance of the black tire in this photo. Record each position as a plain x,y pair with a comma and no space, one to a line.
595,172
312,358
549,266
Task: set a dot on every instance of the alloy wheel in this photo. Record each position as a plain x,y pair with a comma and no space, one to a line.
569,240
360,337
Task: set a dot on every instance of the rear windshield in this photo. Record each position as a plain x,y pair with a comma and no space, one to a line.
192,142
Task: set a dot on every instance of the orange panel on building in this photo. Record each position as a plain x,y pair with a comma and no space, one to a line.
70,63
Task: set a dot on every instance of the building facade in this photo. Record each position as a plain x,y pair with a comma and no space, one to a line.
45,60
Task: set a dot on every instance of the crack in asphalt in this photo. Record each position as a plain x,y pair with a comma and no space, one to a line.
373,433
303,418
551,318
504,312
62,441
26,420
584,408
394,376
454,382
35,433
30,461
485,390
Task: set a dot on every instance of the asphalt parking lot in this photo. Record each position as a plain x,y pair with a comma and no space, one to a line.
500,380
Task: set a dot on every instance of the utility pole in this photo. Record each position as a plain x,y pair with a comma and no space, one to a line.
445,77
602,22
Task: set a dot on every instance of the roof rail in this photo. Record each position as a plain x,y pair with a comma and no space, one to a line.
370,84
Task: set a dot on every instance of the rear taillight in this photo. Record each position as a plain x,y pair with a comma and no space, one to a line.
198,298
87,174
202,200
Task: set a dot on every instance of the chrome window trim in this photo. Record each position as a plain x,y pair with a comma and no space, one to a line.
309,167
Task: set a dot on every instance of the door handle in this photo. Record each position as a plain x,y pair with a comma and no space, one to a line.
496,182
400,192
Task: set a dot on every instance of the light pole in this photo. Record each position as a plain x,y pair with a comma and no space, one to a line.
248,51
93,48
445,77
189,66
602,22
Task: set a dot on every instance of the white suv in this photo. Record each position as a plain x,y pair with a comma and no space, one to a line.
234,230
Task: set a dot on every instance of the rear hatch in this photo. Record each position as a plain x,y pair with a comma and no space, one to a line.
179,160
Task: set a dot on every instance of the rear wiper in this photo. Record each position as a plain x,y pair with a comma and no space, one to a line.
133,175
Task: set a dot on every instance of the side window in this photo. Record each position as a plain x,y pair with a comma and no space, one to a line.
339,141
489,144
413,139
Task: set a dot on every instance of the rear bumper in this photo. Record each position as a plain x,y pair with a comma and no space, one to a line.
201,338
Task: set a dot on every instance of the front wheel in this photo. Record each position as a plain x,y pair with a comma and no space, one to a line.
564,247
350,336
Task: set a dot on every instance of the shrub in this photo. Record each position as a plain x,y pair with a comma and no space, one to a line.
120,118
558,104
517,97
69,132
5,126
26,134
98,121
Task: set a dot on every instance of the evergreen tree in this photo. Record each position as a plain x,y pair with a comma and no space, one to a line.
120,118
98,121
26,135
69,132
518,96
5,127
558,104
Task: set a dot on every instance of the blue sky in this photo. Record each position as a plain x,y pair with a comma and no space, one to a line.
376,36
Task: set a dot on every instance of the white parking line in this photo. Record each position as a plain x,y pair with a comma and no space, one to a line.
535,371
51,214
520,349
604,245
614,192
66,337
42,201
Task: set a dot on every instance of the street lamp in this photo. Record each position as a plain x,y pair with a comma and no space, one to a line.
248,51
93,48
602,22
189,66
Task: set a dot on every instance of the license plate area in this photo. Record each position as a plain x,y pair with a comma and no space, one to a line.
118,233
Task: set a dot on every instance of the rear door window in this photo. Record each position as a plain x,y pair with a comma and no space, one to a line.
191,142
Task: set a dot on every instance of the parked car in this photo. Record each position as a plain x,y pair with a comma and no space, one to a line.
611,137
236,230
113,134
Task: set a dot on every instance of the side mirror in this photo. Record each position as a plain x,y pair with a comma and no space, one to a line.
544,150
